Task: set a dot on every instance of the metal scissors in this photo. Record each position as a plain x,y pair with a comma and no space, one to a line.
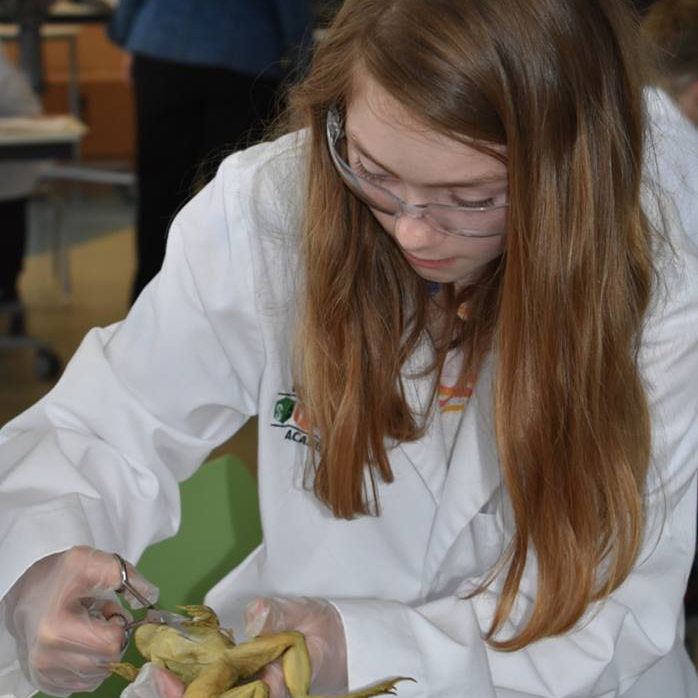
154,614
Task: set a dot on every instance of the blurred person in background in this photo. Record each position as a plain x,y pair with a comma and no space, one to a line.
206,76
671,26
17,180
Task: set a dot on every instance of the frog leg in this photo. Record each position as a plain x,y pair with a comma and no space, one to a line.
215,679
297,675
252,656
254,689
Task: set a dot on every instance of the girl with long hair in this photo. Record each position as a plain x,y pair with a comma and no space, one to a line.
456,302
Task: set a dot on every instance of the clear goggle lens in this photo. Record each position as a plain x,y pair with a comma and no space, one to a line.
462,221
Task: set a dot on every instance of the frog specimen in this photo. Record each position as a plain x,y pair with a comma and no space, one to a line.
207,660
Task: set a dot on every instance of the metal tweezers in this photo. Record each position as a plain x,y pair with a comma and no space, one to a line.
154,614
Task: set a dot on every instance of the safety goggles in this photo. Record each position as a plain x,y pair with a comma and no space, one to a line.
461,221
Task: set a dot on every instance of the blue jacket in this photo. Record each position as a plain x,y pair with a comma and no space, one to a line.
249,36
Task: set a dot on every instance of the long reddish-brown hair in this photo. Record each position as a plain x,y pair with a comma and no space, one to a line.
556,82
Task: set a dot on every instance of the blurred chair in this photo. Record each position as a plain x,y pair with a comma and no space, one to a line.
47,197
24,141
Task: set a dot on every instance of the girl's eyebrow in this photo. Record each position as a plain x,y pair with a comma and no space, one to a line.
485,178
368,155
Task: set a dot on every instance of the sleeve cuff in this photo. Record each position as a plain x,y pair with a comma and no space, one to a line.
438,645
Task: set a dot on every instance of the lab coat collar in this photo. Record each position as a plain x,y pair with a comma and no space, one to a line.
427,455
473,475
462,488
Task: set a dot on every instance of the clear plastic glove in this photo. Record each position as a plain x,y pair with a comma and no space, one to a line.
67,620
154,682
322,626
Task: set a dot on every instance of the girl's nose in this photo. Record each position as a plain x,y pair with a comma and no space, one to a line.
415,234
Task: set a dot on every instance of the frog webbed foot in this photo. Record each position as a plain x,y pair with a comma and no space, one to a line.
204,617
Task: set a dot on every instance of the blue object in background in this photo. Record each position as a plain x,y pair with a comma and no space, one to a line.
245,36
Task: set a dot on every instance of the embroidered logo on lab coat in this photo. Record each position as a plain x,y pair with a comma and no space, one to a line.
288,415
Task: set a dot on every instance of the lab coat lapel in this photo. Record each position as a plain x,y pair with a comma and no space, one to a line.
473,473
427,455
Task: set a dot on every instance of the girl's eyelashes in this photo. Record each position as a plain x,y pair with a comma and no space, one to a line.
362,172
485,203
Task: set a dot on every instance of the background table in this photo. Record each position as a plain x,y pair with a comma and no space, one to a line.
40,137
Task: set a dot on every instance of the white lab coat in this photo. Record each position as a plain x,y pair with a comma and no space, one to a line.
143,402
674,154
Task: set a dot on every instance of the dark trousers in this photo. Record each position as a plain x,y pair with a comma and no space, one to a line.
188,118
13,226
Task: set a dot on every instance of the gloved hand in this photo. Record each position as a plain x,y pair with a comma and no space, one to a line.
322,626
154,682
67,620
